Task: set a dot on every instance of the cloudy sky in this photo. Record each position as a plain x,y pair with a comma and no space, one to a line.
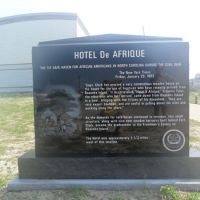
179,18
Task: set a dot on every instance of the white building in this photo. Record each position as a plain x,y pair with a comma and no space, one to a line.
195,83
18,34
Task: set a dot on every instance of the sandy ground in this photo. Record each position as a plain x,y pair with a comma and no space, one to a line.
92,195
195,112
8,161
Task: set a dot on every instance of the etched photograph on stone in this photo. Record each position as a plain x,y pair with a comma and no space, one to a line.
59,111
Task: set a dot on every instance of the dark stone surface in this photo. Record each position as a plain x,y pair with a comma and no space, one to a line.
108,167
93,97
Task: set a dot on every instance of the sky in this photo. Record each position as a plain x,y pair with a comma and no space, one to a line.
176,18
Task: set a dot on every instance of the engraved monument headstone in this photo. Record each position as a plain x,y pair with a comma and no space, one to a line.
111,106
111,98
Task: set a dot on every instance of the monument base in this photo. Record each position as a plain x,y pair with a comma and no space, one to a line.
31,167
103,184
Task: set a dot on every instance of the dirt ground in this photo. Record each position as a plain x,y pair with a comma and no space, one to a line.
195,112
91,195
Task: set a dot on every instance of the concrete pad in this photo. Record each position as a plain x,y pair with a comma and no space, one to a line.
17,184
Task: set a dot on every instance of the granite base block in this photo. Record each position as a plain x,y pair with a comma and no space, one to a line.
31,167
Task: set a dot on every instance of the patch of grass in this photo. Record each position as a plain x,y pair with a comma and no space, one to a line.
194,139
16,126
171,193
194,123
2,148
3,182
78,193
193,95
194,134
16,116
193,196
117,198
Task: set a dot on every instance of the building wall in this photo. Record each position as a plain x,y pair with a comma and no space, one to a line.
18,38
16,78
16,42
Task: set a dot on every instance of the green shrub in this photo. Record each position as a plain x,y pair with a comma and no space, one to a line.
170,193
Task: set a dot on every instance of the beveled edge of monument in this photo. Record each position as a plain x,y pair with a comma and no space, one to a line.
17,184
109,38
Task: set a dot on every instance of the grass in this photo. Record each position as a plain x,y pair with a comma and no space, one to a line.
16,125
194,122
16,114
195,134
78,193
194,139
171,193
117,198
16,131
193,95
2,148
3,182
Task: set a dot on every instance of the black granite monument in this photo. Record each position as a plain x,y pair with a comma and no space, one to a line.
111,106
111,98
